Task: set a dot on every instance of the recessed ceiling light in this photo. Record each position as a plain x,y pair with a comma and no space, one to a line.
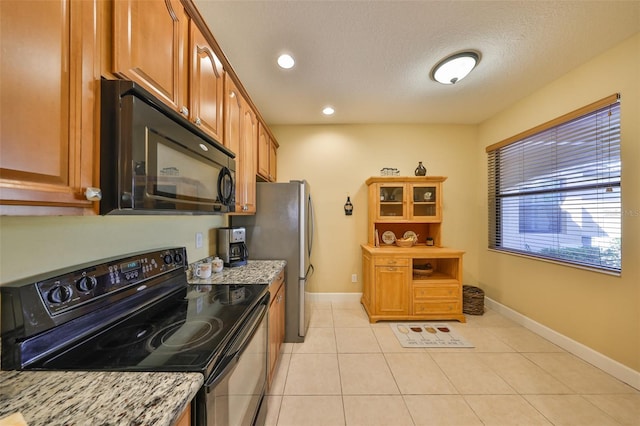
328,110
286,61
454,68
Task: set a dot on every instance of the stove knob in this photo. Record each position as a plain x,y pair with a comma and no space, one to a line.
86,283
178,258
59,294
168,258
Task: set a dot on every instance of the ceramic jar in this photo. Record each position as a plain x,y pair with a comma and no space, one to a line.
217,264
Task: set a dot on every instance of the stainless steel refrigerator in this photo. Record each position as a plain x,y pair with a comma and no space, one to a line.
282,228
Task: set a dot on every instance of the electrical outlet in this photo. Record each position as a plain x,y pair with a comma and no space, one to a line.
354,278
198,239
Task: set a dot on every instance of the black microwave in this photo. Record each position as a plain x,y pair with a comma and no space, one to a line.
154,161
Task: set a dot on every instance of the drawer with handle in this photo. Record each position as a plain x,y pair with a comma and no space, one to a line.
390,261
424,308
449,291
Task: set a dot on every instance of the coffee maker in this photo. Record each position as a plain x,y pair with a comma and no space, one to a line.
232,247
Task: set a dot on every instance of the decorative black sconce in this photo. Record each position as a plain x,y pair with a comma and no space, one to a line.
348,207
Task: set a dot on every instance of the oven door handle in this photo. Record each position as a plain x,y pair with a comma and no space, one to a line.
230,360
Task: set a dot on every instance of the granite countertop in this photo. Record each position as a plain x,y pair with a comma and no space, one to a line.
97,398
254,272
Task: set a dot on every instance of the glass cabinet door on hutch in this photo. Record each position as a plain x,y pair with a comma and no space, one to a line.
425,202
392,202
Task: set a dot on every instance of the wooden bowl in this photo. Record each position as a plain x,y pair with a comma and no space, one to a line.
423,272
402,242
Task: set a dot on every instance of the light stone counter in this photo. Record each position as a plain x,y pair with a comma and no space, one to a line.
97,398
254,272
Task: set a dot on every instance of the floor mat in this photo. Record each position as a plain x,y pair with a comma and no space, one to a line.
428,335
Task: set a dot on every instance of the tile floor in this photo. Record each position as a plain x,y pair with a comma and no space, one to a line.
350,372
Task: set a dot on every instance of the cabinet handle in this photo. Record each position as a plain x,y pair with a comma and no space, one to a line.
184,111
93,194
198,122
245,208
392,268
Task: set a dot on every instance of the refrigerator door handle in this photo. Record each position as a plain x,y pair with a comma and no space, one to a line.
310,225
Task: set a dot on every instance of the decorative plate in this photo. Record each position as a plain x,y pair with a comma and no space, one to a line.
388,237
410,234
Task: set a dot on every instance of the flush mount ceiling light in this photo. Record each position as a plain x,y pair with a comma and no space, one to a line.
328,110
286,61
454,68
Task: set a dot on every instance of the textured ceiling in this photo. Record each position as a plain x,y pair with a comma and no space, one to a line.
371,60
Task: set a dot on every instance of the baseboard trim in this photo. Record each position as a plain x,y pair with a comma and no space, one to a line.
603,362
610,366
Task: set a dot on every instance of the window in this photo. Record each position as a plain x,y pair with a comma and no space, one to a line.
554,191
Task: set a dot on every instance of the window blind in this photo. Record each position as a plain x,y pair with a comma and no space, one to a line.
554,191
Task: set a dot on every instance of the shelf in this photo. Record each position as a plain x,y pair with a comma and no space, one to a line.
436,276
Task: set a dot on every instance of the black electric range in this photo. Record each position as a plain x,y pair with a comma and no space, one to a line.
131,313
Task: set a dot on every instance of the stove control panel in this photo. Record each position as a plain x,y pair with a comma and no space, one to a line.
65,292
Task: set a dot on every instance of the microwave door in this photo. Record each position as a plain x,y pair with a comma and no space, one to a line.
179,178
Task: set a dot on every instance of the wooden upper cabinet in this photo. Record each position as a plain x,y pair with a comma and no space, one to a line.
150,47
49,73
249,138
240,132
206,85
267,154
263,151
232,116
156,45
273,160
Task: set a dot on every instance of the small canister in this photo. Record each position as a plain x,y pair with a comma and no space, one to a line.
429,241
217,264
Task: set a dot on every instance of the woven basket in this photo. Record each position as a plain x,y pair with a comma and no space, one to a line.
405,243
472,300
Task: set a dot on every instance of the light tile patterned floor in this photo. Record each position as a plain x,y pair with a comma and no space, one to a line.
350,372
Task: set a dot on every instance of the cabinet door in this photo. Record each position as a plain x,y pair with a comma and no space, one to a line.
264,153
424,203
48,69
232,118
185,417
249,140
149,47
241,132
391,203
367,284
276,325
273,161
281,316
206,85
392,290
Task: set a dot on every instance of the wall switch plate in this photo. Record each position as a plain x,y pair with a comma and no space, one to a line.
354,278
198,239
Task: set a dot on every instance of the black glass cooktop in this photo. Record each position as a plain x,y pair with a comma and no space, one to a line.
184,332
